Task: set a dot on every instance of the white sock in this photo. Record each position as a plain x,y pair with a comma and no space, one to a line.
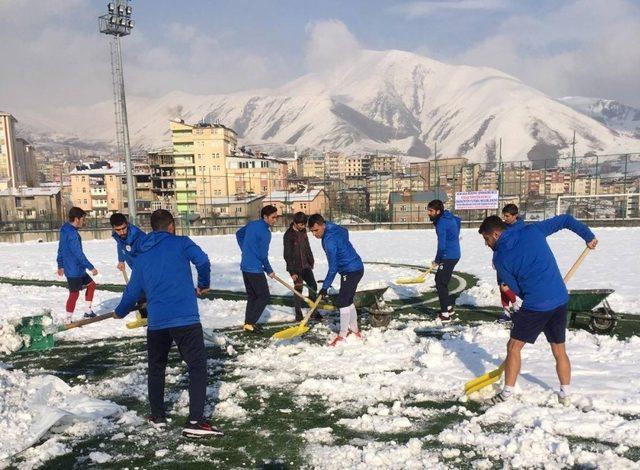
507,390
565,390
353,319
345,316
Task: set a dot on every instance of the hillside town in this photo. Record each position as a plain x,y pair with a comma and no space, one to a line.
209,178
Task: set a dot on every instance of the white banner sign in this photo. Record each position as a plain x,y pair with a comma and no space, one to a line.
487,199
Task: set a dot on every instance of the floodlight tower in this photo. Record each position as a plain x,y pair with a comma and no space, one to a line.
118,23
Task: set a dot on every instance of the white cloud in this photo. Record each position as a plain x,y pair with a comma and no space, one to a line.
329,43
58,58
426,8
587,47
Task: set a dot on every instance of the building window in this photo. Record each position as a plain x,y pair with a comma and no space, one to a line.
84,190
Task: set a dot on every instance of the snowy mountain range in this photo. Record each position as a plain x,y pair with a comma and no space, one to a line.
391,101
615,115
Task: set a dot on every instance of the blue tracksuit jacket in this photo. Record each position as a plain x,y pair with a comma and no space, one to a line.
341,255
71,258
254,239
448,232
126,247
163,274
525,263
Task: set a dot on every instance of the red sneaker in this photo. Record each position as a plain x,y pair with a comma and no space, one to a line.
357,333
335,341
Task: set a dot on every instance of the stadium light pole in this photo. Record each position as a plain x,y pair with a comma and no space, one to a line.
118,23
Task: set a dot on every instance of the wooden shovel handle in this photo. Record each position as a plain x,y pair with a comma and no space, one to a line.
312,309
87,321
576,265
292,289
125,276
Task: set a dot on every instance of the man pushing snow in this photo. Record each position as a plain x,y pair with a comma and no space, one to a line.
343,259
526,265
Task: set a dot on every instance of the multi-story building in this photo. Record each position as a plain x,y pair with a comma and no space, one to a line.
23,203
488,179
411,206
382,164
205,163
557,181
312,166
353,201
100,188
17,159
232,210
444,172
379,186
309,201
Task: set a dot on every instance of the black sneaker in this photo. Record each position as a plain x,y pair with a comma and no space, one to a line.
90,314
157,422
198,429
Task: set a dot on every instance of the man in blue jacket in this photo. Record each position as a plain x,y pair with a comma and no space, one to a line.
448,232
254,239
163,274
73,264
507,297
343,259
126,236
526,265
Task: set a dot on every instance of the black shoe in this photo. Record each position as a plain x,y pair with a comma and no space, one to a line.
157,422
299,317
198,429
90,314
315,316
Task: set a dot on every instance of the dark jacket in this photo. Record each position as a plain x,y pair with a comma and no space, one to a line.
126,247
163,273
525,263
254,239
341,255
448,231
71,258
297,251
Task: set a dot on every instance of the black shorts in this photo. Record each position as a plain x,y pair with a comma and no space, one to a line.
75,284
527,325
348,286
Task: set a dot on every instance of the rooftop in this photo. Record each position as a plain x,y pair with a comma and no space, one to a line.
30,192
112,168
234,199
293,196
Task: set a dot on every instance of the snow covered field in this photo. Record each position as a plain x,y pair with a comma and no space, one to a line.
388,392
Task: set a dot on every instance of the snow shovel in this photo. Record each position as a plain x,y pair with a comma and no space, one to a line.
415,280
37,331
307,300
301,328
490,377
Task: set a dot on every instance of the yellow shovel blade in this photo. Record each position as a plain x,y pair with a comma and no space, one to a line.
139,322
291,332
484,380
412,280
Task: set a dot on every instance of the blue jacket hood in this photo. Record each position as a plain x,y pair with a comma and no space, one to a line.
163,274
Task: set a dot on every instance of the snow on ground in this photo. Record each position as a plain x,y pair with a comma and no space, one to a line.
379,384
401,367
608,266
30,406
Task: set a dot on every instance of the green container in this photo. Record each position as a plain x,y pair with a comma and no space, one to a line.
584,300
37,331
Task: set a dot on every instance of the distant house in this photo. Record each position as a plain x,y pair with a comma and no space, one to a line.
232,210
22,203
411,206
309,201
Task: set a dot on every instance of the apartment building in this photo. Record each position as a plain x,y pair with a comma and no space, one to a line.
17,158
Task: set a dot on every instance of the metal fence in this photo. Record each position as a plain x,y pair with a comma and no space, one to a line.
591,187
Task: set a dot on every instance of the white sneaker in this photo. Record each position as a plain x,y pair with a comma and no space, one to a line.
564,400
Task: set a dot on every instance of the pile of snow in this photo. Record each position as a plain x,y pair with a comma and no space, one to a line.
358,379
10,340
31,406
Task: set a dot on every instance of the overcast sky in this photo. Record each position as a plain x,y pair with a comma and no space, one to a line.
52,54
